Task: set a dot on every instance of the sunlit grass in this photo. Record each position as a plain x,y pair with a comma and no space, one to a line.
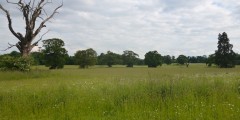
119,93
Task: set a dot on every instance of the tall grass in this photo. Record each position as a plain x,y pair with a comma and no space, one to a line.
168,92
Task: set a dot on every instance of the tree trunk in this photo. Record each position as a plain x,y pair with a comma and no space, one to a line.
25,51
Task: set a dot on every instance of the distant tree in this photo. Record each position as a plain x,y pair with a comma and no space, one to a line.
224,55
86,58
173,59
139,61
70,60
182,59
15,54
237,59
110,58
100,59
210,60
167,59
38,58
54,53
129,58
153,59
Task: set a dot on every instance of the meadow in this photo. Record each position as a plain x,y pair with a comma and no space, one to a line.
119,93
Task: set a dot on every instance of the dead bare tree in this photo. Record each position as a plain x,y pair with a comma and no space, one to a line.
31,11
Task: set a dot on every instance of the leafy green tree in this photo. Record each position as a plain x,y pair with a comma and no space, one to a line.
153,59
224,56
38,58
167,59
15,54
129,58
110,58
54,53
237,59
86,58
100,59
70,60
210,60
182,59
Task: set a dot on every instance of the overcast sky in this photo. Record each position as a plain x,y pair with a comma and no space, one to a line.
172,27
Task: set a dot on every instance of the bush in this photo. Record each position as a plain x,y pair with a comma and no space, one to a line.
15,63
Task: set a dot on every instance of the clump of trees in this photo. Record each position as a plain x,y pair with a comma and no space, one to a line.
54,53
129,58
153,59
224,56
14,61
86,58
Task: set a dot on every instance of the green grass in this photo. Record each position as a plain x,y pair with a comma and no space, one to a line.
119,93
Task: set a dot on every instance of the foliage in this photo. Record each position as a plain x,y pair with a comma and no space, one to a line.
210,60
86,58
129,58
167,59
70,60
110,58
198,59
54,53
224,56
15,54
153,59
182,59
38,58
8,62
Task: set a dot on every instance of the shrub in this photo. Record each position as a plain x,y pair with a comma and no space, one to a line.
15,63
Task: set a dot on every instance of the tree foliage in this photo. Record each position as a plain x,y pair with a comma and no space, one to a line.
210,60
224,55
153,59
167,59
111,58
129,57
54,53
8,62
182,59
33,12
86,58
38,58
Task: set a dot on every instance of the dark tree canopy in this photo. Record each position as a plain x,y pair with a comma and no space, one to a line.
86,58
182,59
54,53
110,58
33,12
129,57
153,59
224,55
167,59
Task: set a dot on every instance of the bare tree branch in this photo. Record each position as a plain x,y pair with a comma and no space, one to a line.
35,44
47,19
13,2
10,46
10,23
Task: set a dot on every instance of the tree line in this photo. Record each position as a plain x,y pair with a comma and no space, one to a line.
55,56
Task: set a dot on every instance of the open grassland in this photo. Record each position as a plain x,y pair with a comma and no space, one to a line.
119,93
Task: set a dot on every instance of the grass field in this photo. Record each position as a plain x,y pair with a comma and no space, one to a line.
119,93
